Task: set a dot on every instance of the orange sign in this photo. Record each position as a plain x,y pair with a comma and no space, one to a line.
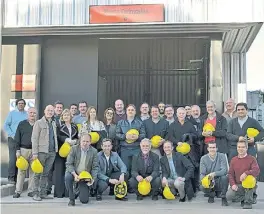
126,13
23,82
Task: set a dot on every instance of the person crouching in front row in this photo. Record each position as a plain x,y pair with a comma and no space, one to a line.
112,169
82,158
177,171
146,166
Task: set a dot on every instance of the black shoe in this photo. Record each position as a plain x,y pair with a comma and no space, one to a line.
242,203
210,200
121,199
131,191
247,206
224,202
183,199
111,191
92,192
48,192
218,194
139,198
155,198
30,194
17,195
71,203
98,197
254,198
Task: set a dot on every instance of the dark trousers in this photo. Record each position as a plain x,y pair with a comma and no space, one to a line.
196,179
103,185
155,185
59,173
83,188
221,185
50,178
12,169
126,155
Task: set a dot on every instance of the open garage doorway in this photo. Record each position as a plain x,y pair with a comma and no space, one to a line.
171,70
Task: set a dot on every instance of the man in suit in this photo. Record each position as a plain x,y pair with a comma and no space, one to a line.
112,169
177,171
82,157
146,166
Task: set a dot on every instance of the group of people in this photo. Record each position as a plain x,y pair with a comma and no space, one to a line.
226,155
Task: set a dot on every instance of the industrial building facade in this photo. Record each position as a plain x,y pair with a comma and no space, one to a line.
179,52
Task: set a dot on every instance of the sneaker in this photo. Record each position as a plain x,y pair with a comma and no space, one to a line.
71,203
210,200
99,197
224,202
155,198
247,206
46,197
30,194
36,198
17,195
139,198
121,199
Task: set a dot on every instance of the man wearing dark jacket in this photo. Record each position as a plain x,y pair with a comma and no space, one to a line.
112,170
177,171
146,166
156,126
128,150
237,131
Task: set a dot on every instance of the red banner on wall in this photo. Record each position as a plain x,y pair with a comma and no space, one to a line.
26,82
126,13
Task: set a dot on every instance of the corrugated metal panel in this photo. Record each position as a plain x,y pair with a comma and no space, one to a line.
76,12
147,70
243,68
226,76
235,74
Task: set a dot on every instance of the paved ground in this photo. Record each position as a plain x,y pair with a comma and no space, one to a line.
109,205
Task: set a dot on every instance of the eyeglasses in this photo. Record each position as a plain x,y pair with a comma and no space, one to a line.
110,113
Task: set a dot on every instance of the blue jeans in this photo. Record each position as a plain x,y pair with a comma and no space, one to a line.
126,154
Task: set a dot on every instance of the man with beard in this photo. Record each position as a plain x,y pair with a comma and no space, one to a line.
161,106
156,126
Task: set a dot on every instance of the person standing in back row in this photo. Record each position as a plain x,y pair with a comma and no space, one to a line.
10,126
119,111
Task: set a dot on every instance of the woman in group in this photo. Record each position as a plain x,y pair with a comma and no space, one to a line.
110,126
94,125
68,132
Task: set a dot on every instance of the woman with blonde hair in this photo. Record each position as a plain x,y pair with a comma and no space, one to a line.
94,125
67,132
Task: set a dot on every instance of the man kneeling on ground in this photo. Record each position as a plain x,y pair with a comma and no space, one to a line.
112,170
146,166
240,167
177,171
82,158
214,165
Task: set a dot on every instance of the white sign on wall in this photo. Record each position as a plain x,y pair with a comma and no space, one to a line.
29,103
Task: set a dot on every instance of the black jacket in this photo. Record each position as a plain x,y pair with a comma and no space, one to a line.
219,133
63,133
138,166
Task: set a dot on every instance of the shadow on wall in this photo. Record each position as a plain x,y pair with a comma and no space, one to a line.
4,155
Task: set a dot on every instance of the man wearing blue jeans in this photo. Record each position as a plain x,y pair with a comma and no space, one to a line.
82,157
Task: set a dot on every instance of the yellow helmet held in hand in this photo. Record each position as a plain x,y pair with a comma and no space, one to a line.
251,132
167,193
155,141
79,126
207,183
22,163
120,190
85,176
144,187
208,127
36,166
134,132
94,137
249,182
65,150
185,148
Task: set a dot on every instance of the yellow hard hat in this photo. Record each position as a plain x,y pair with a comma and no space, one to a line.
94,137
132,131
120,190
208,127
207,182
185,148
167,193
36,166
144,187
22,163
65,150
79,126
155,141
85,175
251,132
249,182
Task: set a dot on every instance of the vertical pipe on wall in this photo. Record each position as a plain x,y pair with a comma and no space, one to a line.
216,76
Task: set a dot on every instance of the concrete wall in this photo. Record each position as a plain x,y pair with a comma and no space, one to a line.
69,71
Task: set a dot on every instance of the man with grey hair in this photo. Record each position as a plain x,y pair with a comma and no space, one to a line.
230,112
44,148
146,166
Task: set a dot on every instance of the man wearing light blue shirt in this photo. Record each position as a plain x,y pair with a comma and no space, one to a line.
10,126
